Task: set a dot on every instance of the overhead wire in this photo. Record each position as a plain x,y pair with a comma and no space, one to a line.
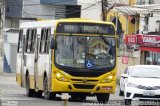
127,10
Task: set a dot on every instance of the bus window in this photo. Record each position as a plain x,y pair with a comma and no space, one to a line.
44,43
19,49
33,38
47,40
28,41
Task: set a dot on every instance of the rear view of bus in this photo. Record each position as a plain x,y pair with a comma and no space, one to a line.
84,59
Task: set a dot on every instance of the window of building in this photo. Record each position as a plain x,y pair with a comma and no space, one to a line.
73,11
140,2
19,49
7,9
148,57
151,1
44,42
30,40
152,58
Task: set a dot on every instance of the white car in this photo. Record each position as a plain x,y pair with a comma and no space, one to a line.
123,80
143,83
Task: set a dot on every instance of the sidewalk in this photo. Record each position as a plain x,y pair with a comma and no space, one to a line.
4,74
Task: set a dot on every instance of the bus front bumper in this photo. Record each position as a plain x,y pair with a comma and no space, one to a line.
60,86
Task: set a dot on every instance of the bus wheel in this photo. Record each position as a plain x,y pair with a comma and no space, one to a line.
30,92
82,97
74,97
103,97
47,94
38,94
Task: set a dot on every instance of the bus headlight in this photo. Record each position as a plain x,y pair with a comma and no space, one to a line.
61,77
108,79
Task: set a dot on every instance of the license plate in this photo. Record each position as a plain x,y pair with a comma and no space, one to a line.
148,93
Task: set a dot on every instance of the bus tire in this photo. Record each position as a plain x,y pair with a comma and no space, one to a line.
103,97
29,92
74,97
38,94
82,97
47,94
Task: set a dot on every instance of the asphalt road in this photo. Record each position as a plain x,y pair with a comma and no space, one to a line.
13,95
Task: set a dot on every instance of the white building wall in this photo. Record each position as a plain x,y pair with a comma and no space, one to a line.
92,12
9,40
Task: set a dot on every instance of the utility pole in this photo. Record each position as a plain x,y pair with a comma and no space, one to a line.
2,17
104,9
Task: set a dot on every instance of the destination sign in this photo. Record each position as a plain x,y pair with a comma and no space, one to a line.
85,28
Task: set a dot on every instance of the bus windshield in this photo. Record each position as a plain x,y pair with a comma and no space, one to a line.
89,52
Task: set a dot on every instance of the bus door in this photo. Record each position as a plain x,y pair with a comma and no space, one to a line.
36,61
23,61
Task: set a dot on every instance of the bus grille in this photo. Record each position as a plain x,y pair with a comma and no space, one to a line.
80,80
80,86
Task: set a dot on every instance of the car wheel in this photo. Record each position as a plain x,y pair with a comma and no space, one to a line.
103,97
127,102
121,93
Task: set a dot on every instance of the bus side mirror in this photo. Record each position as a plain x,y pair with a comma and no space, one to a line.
52,44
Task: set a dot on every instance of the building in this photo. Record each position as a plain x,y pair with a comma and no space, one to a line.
149,32
10,49
150,19
2,23
91,9
18,11
126,19
149,46
150,28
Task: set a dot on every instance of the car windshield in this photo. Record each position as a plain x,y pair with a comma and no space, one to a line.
85,51
146,72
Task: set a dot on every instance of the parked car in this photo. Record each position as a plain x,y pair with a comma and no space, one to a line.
123,79
143,82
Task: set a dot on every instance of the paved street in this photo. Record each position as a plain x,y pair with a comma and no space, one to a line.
11,93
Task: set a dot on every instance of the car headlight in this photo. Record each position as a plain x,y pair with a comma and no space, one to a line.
132,85
108,79
61,77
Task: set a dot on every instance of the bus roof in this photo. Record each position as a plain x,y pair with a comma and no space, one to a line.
84,20
38,24
52,23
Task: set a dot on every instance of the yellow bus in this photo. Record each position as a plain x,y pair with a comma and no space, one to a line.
75,56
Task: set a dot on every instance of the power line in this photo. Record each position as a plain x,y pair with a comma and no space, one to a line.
127,9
